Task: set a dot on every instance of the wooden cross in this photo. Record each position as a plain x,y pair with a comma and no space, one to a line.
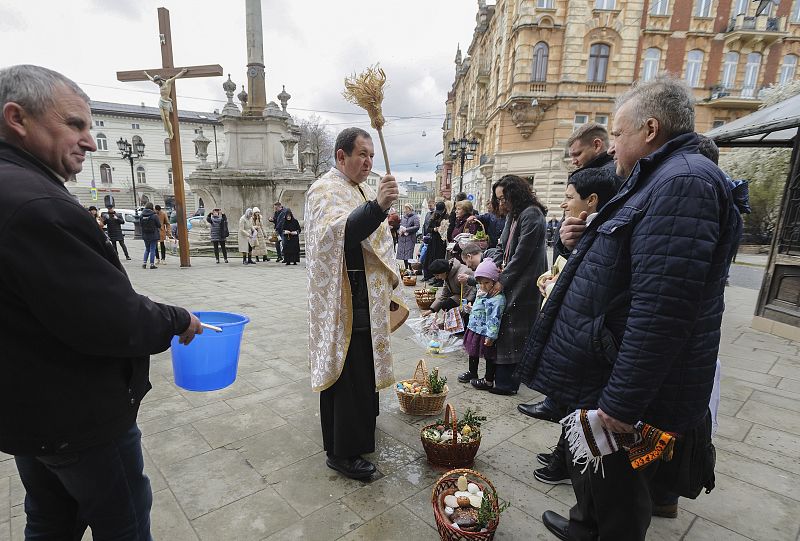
168,70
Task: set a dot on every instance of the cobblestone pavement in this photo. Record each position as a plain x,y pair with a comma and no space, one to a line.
247,463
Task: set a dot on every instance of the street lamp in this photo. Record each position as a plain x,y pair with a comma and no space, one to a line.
464,149
130,152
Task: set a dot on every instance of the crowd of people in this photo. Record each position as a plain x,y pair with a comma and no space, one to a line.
622,327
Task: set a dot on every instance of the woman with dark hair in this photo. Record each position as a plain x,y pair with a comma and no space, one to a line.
522,258
291,239
436,244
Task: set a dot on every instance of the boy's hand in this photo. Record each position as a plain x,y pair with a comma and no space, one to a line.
488,342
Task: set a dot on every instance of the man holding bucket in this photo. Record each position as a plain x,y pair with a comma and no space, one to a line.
71,378
348,246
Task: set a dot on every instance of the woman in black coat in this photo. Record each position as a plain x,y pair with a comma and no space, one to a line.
522,259
436,246
291,240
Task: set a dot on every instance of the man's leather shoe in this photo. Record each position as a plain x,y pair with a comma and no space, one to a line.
665,511
557,524
540,411
354,468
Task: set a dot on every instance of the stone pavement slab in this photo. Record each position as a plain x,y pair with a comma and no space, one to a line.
246,462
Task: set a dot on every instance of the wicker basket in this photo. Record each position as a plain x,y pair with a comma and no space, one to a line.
450,454
446,485
424,298
482,244
421,404
409,280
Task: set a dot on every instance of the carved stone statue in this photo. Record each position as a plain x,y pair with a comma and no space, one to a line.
164,102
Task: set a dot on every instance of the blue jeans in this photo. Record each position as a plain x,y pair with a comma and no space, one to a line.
151,249
103,487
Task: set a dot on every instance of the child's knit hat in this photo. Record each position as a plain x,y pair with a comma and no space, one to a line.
487,269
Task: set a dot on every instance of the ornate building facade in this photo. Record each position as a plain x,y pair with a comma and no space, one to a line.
538,69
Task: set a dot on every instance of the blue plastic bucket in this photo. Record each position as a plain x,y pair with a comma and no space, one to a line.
210,361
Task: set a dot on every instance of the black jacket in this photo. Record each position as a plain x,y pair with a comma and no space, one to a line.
151,225
70,375
633,323
113,223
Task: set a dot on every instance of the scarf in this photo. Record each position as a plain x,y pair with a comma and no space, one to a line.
589,441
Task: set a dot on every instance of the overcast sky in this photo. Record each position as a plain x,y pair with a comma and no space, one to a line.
309,46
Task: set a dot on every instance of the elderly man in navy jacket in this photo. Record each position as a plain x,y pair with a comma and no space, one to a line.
632,326
71,378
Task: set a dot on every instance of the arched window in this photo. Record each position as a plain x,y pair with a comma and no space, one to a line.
167,150
101,141
751,70
729,68
105,173
694,65
169,175
652,61
540,55
141,177
598,63
788,69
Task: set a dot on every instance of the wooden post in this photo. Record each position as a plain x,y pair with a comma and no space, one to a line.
168,70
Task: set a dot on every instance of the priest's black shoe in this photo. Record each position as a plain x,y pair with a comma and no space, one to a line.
540,410
557,524
353,467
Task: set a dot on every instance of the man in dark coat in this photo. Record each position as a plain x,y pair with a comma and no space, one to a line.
632,326
113,223
71,378
277,219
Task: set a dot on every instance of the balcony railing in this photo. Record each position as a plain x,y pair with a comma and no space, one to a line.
539,87
742,23
596,88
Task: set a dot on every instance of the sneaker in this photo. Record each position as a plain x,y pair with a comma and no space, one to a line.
128,258
226,261
466,377
544,458
218,262
555,473
163,261
144,266
153,267
482,384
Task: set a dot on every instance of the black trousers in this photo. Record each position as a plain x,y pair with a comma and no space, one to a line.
217,244
612,507
349,407
163,249
121,243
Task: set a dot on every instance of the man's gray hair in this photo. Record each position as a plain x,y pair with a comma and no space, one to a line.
667,99
33,87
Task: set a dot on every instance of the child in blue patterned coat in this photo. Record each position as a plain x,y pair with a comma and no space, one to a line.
483,327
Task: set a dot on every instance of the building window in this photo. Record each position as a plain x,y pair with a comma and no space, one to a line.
652,61
729,69
788,69
602,120
605,4
134,126
544,4
659,7
751,75
169,175
99,123
101,141
105,173
717,123
135,140
141,177
580,120
167,150
694,64
449,121
702,8
598,62
741,7
540,54
796,12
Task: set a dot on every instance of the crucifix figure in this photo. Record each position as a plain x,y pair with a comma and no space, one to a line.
164,102
165,77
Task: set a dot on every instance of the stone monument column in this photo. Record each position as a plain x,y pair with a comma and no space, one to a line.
256,80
